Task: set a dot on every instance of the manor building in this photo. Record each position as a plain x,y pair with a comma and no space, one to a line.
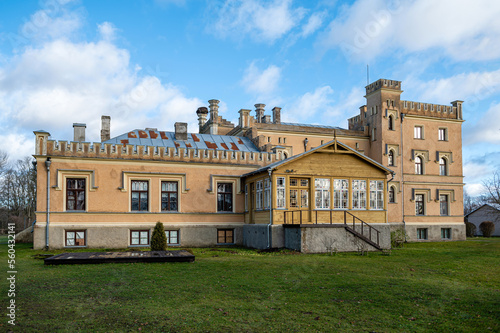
260,183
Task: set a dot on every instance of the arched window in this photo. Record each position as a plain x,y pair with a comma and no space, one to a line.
391,123
392,195
418,166
442,167
390,158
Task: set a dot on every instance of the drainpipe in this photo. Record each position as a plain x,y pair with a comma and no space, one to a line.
402,175
47,164
269,238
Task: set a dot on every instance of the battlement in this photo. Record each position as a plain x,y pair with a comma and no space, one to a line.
110,151
383,83
453,111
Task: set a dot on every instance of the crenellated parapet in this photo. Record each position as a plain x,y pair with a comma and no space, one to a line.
98,150
383,84
453,111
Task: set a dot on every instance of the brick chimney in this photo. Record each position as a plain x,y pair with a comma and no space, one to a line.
277,115
214,116
202,113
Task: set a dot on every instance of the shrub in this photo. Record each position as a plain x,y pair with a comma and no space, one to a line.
487,228
398,238
158,239
470,229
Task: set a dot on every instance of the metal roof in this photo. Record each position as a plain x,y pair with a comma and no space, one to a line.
155,138
311,125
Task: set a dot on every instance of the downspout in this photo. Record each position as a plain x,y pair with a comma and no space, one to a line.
402,176
269,237
47,164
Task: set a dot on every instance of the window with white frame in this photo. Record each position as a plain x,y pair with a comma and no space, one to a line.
359,194
376,194
267,193
340,193
419,170
390,158
322,186
280,193
258,195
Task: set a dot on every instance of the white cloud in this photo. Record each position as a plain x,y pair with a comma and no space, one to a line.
313,23
309,104
262,82
486,129
263,21
107,31
58,82
471,87
463,30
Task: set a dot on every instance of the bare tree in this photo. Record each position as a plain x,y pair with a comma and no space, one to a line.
471,203
492,186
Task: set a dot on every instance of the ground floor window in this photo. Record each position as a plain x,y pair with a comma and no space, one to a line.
280,193
76,238
376,194
172,237
225,236
359,194
139,237
422,233
446,233
224,197
443,204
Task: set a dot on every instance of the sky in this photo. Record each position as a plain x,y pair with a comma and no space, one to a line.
153,63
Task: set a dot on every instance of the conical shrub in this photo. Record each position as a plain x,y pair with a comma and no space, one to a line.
158,239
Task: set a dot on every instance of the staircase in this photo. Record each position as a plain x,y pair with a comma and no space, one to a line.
373,234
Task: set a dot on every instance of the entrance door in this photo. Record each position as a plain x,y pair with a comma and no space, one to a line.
299,198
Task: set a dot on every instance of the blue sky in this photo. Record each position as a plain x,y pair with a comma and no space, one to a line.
152,63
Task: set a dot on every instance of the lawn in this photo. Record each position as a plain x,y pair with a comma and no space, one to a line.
444,287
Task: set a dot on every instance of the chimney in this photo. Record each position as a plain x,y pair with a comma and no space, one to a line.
244,118
259,112
202,116
214,116
105,128
458,105
277,115
181,131
266,119
79,132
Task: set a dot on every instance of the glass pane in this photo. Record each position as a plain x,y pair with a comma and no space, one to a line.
81,184
293,182
70,241
304,196
293,198
304,182
134,241
80,235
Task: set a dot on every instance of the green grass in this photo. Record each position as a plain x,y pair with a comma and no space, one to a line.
443,287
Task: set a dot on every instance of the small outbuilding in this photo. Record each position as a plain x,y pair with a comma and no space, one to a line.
487,212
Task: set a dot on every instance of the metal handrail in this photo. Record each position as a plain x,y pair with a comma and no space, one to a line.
363,224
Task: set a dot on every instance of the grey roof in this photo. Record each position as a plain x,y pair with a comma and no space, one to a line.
492,205
311,125
156,138
275,164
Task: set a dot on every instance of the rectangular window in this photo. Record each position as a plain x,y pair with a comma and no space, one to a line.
417,132
442,134
246,198
258,195
340,193
224,197
225,236
322,186
443,204
169,196
419,204
139,237
267,193
172,237
75,193
446,233
293,198
359,194
280,193
421,233
139,195
376,194
76,238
